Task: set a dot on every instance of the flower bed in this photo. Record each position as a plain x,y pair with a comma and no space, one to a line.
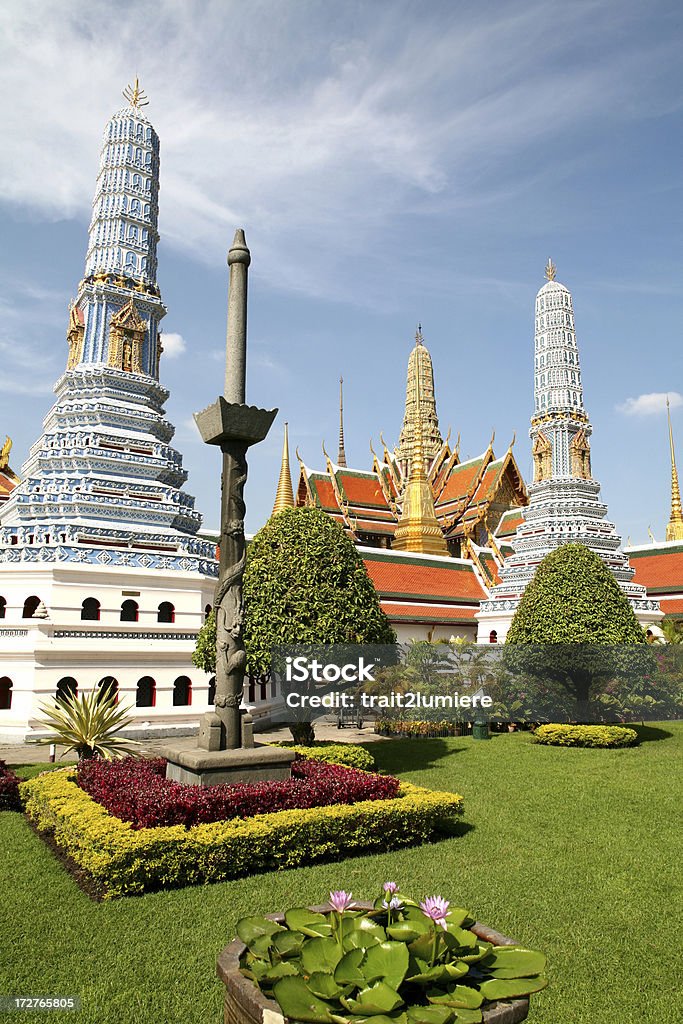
408,729
9,789
586,736
122,860
136,790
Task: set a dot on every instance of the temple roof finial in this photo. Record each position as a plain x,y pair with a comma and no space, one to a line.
341,453
550,270
674,530
419,340
284,497
135,95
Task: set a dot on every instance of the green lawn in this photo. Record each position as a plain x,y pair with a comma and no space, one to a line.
572,851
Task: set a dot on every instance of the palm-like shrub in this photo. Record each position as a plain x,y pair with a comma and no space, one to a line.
89,724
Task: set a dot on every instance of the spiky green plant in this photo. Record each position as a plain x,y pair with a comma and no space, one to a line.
89,724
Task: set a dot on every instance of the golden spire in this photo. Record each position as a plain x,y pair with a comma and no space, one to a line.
550,270
674,530
284,497
341,454
135,95
4,454
420,416
418,528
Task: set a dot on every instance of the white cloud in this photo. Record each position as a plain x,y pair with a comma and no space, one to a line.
174,344
651,404
318,132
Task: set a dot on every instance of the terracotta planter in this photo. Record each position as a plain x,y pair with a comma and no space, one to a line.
245,1004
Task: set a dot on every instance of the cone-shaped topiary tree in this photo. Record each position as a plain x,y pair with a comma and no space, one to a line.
575,627
304,583
574,599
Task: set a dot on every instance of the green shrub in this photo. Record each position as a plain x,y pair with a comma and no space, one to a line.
348,754
124,861
586,736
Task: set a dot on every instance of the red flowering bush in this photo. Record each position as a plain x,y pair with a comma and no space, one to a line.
135,790
9,789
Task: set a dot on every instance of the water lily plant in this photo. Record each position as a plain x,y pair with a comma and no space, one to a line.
396,961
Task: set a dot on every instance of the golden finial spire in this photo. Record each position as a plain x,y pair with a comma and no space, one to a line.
135,95
4,453
550,270
418,528
341,454
284,497
674,530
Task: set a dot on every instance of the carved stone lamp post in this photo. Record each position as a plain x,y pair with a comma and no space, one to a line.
225,751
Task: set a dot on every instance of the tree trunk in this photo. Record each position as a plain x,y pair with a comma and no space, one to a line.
303,733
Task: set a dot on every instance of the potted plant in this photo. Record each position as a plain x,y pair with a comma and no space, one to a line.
394,961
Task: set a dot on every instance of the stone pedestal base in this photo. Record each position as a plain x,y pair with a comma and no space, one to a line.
197,767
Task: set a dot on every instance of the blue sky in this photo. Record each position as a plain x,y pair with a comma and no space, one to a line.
390,162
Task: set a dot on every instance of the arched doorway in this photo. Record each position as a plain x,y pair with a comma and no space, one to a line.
90,610
108,687
129,611
166,612
30,605
5,693
182,692
67,688
146,693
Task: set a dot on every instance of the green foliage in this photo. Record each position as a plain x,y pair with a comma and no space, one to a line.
672,630
348,754
586,736
574,599
380,964
124,861
89,724
304,583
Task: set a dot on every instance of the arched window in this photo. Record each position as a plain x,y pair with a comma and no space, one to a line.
131,261
3,607
146,693
207,612
30,605
166,612
90,610
135,206
67,687
129,611
493,637
182,692
108,687
137,181
5,693
211,696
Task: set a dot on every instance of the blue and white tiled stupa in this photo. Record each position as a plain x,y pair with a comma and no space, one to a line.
102,484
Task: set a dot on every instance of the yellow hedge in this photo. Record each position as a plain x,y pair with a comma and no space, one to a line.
586,736
124,861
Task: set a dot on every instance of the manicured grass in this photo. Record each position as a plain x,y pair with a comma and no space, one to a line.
571,851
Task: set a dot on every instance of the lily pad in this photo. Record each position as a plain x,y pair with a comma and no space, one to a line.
325,986
299,1003
348,972
375,999
430,1015
524,962
502,989
251,928
301,919
458,996
321,955
388,961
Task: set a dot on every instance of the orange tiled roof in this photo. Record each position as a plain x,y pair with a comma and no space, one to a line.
659,569
362,490
423,578
460,480
323,491
509,522
427,612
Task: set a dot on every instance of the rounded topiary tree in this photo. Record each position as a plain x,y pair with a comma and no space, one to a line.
304,583
575,600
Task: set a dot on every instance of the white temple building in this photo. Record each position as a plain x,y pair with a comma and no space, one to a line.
105,578
564,499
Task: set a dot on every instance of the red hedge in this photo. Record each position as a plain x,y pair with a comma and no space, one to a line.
135,790
9,789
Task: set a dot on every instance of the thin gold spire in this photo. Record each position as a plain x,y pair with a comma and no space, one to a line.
550,270
284,497
674,530
4,453
341,454
135,95
418,528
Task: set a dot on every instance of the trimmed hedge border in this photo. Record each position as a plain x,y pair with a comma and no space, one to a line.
349,755
586,736
123,861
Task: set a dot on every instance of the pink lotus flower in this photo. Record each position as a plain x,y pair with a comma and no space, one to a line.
436,907
391,887
341,901
394,903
